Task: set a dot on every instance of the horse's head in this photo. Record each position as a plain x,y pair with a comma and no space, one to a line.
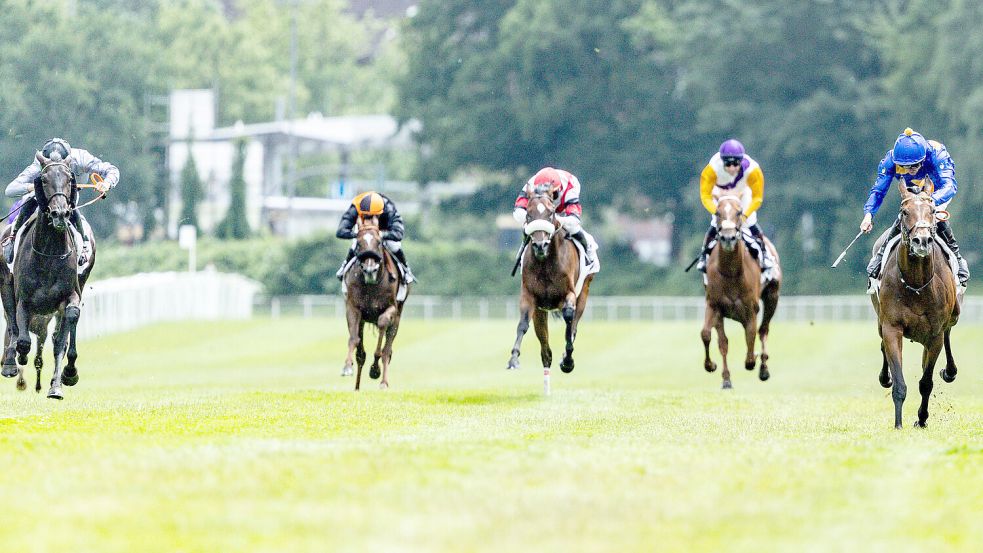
918,221
368,249
730,218
55,190
540,224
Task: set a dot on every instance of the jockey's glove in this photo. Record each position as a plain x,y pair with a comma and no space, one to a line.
519,214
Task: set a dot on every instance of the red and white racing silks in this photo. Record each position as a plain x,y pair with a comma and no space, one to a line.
563,184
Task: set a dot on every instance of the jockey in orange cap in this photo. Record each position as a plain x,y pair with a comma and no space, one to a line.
564,189
373,204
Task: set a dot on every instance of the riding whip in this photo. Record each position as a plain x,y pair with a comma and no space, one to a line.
690,266
842,255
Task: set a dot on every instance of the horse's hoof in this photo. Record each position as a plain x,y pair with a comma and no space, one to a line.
565,366
55,394
374,372
70,379
749,366
921,424
764,374
710,367
727,385
383,385
885,381
21,385
513,365
21,359
347,371
945,376
9,371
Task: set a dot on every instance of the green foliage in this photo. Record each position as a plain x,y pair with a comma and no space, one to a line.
235,225
191,193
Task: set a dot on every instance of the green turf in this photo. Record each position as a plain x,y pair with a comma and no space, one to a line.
242,437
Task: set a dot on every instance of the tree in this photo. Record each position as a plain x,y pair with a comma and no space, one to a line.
191,193
235,225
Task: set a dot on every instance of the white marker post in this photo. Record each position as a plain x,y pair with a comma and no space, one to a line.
187,238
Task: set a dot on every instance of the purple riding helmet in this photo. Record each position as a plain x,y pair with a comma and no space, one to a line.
732,148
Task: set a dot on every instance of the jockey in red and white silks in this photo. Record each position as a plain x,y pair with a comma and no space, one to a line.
564,188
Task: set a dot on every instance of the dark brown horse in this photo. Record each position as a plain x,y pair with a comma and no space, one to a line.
550,271
734,290
372,284
917,300
45,282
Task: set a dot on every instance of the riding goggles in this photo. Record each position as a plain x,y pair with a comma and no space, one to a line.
908,169
732,161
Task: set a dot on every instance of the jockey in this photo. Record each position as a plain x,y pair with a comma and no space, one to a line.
373,204
732,172
564,188
81,163
924,166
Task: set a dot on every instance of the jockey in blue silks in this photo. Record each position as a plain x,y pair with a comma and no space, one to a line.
924,166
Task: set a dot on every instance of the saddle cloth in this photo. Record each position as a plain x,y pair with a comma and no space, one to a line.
949,257
79,245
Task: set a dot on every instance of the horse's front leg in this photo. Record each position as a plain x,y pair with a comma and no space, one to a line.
68,319
541,325
925,385
892,338
750,336
71,375
384,321
353,318
10,334
42,336
387,351
709,321
23,334
570,317
722,346
948,374
525,311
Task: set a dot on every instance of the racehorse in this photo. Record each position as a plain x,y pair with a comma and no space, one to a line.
917,300
550,271
372,297
45,282
734,290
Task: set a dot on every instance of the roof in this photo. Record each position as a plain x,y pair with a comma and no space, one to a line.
342,131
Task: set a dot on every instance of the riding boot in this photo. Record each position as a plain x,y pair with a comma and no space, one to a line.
874,267
26,210
401,256
945,231
581,237
341,270
765,261
701,265
83,254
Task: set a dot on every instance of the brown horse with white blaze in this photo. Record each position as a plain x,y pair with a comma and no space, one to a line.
372,285
550,272
917,300
734,290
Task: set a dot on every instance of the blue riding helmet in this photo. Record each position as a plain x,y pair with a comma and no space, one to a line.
59,145
909,148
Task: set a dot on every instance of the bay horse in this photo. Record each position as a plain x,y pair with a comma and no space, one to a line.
372,297
734,290
917,300
45,282
550,271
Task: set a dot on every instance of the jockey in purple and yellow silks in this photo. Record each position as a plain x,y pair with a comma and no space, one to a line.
923,166
731,172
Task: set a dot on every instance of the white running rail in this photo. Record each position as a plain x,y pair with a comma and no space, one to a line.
126,303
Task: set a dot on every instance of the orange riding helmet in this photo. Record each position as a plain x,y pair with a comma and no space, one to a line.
369,204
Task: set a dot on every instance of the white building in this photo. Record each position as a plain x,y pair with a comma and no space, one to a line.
270,201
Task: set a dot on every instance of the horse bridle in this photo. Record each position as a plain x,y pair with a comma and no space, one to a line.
48,199
547,225
740,210
905,234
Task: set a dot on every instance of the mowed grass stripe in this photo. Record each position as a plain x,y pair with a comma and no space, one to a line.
241,436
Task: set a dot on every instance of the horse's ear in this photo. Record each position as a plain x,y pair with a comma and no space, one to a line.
41,159
905,194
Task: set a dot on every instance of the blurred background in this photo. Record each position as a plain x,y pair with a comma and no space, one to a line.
257,121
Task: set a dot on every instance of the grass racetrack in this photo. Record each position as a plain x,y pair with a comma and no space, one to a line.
242,437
